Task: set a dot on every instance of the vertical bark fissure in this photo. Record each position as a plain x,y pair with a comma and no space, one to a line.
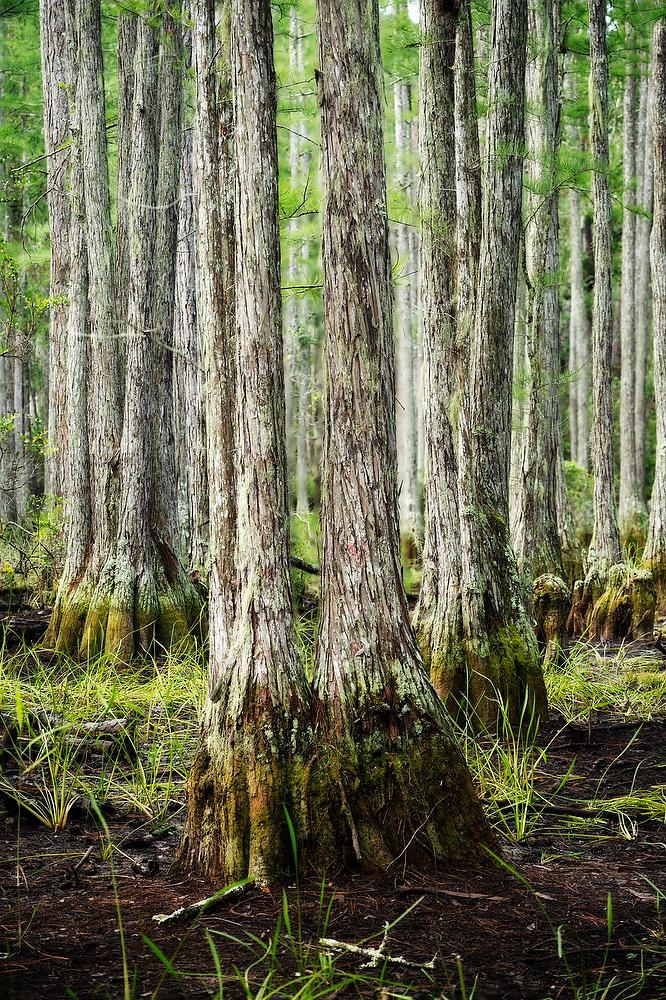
605,548
655,550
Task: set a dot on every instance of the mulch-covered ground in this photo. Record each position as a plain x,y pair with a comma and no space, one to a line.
491,926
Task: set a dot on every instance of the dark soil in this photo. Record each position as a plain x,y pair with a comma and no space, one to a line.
499,928
494,925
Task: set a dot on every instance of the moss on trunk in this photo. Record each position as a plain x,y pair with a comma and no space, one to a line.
619,604
552,605
400,793
121,616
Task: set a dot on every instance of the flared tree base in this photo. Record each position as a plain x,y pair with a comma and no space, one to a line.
383,799
478,679
618,605
120,615
242,784
552,606
386,799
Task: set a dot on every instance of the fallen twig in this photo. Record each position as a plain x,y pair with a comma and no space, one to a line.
376,955
196,909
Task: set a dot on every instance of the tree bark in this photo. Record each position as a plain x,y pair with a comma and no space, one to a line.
643,301
394,767
438,618
579,359
536,538
630,513
216,315
69,613
654,556
605,548
502,652
56,133
258,714
127,24
404,335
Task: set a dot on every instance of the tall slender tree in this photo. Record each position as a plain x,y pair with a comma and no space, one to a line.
535,533
258,713
503,659
438,621
394,764
631,508
655,550
56,134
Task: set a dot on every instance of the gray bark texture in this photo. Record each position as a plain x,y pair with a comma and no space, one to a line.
216,318
605,548
55,59
258,714
643,300
654,556
535,531
438,619
391,752
631,508
500,642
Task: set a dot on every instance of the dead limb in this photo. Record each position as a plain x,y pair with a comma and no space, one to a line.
195,910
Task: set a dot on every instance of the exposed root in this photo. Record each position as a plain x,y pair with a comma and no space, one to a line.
121,615
552,604
619,605
395,796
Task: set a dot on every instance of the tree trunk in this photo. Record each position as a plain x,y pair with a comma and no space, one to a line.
404,334
257,717
654,556
579,359
643,296
605,548
127,23
140,591
502,653
438,619
216,315
630,514
69,612
394,768
104,404
56,133
189,418
536,538
153,600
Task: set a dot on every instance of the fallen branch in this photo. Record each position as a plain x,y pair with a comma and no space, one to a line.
303,565
376,955
195,910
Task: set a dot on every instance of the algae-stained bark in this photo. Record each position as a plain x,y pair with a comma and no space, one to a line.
152,598
501,645
68,615
130,588
655,550
84,605
438,621
605,547
258,714
395,782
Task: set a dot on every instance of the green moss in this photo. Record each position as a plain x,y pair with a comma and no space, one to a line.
626,608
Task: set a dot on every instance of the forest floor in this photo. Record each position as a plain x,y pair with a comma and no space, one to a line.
575,910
